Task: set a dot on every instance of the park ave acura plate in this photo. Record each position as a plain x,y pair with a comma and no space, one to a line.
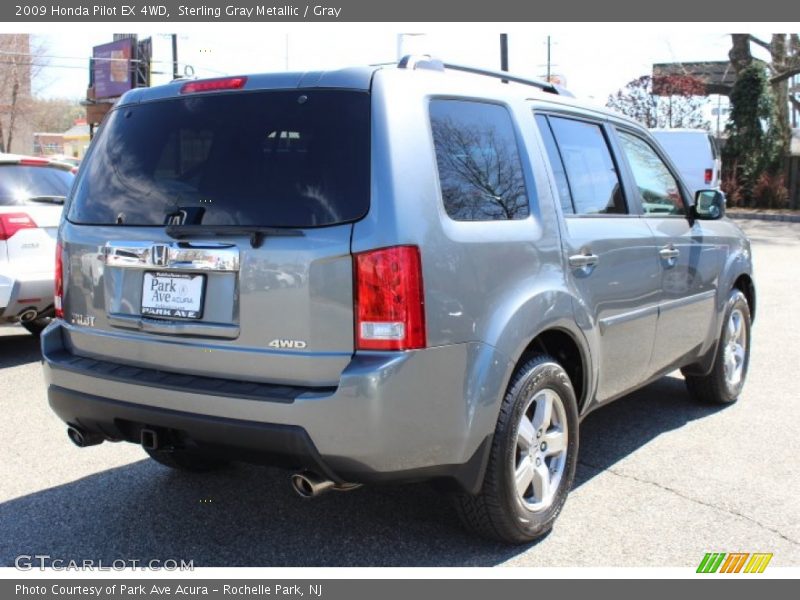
173,295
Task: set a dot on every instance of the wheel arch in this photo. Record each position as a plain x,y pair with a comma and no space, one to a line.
744,283
571,352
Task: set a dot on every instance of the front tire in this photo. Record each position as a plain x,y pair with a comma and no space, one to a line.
724,383
532,460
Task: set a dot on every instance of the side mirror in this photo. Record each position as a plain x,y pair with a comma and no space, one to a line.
709,205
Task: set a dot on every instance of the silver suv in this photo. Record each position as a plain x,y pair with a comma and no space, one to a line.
385,274
32,192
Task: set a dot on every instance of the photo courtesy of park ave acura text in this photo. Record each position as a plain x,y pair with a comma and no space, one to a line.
278,292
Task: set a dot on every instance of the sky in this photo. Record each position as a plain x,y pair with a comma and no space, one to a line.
594,59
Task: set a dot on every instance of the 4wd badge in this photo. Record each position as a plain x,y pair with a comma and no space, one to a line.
291,344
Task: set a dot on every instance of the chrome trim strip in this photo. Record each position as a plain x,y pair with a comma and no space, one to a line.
217,330
178,256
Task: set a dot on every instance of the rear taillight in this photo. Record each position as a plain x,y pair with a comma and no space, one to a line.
213,85
390,304
709,175
59,283
11,223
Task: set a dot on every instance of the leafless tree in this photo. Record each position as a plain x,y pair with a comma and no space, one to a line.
480,174
21,61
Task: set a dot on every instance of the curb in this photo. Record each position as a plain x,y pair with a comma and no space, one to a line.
762,216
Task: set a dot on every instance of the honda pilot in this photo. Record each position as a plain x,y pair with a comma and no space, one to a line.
389,274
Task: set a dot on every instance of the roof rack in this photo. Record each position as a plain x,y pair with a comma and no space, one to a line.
434,64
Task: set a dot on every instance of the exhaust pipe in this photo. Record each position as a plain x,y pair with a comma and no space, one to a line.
29,314
307,484
82,438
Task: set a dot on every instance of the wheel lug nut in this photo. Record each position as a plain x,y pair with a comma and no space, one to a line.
538,461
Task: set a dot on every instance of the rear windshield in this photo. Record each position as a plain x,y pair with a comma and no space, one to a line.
272,159
20,183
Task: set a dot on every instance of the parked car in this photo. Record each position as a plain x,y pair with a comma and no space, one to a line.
463,282
32,192
63,158
696,155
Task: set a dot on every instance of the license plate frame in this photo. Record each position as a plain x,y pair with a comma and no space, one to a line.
166,308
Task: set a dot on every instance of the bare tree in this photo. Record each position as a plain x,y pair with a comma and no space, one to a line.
55,115
21,62
480,173
666,101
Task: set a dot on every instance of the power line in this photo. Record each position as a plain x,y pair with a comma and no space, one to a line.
37,56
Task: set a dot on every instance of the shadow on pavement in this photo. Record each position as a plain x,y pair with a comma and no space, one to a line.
19,349
247,515
613,432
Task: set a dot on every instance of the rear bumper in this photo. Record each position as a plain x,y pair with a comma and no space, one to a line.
393,417
19,292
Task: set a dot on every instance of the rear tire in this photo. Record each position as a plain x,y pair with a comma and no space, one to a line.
185,461
36,327
724,383
508,508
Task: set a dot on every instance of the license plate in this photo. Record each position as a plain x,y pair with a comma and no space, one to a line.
173,295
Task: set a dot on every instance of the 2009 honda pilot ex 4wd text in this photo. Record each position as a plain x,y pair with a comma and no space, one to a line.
385,274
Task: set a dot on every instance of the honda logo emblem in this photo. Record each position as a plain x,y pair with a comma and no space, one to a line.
159,254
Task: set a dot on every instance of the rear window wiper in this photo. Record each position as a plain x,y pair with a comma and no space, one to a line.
47,199
255,232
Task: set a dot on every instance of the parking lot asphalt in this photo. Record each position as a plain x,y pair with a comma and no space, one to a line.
661,480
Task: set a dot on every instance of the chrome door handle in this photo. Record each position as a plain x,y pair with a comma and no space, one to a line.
669,253
579,261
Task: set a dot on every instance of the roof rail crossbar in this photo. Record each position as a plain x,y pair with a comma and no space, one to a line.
429,63
505,76
420,61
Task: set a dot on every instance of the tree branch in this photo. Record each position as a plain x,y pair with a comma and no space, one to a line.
759,42
791,72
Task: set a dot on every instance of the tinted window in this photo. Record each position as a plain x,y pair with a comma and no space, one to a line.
592,175
19,183
480,170
281,159
556,164
658,188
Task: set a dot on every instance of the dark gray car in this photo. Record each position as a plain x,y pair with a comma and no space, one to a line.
385,274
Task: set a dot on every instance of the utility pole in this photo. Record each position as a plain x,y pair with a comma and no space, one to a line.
504,54
548,58
174,55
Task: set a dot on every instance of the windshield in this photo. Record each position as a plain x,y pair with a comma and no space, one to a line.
272,159
20,183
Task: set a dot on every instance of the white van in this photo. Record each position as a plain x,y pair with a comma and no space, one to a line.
695,154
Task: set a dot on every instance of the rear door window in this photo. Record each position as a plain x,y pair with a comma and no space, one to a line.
480,169
591,172
557,164
275,159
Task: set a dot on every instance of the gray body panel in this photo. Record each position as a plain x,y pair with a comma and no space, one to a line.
489,287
